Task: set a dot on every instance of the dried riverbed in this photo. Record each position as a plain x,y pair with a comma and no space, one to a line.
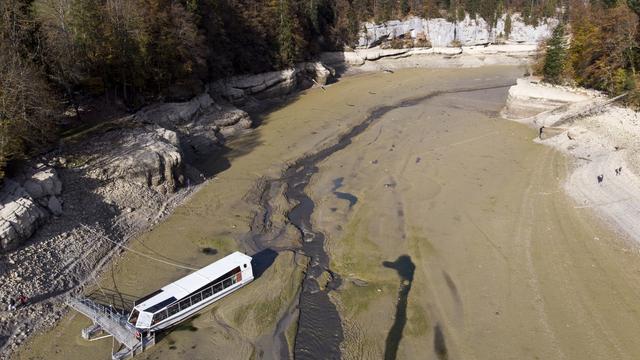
445,230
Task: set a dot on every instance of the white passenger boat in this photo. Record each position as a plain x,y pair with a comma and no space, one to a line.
185,297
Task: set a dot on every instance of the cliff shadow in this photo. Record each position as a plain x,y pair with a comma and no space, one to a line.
405,269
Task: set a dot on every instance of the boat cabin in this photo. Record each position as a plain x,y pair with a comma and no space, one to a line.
190,294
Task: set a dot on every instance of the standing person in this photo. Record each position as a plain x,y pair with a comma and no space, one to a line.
12,304
540,132
22,300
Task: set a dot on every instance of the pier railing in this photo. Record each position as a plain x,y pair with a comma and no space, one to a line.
118,316
109,319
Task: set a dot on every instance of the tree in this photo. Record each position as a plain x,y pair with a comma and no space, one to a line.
555,57
507,25
287,47
404,7
27,107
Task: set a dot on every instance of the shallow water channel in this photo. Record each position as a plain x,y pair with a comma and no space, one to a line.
394,216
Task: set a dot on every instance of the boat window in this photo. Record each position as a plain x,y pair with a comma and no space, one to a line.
159,316
217,287
207,292
133,318
184,304
173,309
245,266
196,298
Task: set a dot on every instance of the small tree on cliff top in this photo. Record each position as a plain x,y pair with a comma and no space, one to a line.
555,57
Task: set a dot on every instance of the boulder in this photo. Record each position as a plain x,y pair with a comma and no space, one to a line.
44,182
20,215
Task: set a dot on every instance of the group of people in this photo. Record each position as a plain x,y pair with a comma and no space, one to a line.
17,302
618,171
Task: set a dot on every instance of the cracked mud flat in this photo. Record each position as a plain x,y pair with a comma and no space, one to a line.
504,267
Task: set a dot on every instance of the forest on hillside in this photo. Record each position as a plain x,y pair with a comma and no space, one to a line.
54,54
595,46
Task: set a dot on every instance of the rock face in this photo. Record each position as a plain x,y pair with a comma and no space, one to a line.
26,202
275,83
148,156
468,32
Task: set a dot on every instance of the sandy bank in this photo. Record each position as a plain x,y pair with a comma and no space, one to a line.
599,137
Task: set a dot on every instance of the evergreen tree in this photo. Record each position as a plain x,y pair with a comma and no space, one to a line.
404,7
555,57
507,26
286,42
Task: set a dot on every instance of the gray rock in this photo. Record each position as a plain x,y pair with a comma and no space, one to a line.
44,182
148,156
54,206
238,89
20,215
169,115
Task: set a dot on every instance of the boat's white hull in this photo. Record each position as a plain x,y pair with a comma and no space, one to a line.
183,315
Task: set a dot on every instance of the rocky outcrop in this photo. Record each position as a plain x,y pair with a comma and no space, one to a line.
26,202
148,155
202,124
126,163
272,84
468,32
530,97
169,115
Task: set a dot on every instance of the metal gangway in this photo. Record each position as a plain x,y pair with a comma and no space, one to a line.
114,322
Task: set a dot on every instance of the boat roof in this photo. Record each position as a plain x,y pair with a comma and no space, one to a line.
190,283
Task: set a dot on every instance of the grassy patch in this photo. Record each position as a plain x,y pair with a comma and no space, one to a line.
356,299
355,253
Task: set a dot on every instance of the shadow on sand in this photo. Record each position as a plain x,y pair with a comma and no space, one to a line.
405,268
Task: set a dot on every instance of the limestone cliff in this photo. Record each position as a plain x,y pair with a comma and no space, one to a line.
468,32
